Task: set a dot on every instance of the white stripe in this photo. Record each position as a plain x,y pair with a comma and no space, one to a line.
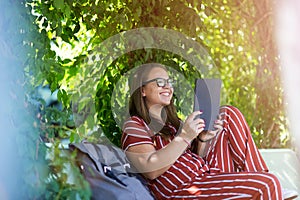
136,136
170,191
237,145
168,180
132,121
198,160
134,128
238,134
193,171
160,142
182,173
176,177
124,140
137,143
161,193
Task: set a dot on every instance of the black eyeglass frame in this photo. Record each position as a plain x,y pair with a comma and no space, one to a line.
170,81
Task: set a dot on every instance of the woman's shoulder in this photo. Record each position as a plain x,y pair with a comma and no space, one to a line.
134,119
135,132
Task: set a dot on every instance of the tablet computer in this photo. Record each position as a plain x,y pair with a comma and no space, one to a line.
207,99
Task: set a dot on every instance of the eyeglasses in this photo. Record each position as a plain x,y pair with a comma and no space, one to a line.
161,82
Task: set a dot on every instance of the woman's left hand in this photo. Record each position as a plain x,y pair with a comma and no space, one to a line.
218,125
210,134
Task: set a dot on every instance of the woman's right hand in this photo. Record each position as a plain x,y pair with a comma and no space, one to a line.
192,126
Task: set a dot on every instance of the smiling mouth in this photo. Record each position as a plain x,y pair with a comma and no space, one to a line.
167,94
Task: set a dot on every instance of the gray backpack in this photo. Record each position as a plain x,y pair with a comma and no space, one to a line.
106,169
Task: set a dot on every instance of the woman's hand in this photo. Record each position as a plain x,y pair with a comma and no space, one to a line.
218,125
205,136
192,126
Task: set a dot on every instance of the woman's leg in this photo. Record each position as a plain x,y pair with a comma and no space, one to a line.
234,150
243,185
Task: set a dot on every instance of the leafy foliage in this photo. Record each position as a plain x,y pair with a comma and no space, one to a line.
66,35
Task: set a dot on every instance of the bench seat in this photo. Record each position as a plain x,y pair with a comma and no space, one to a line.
285,164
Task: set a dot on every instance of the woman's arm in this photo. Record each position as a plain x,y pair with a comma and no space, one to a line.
151,162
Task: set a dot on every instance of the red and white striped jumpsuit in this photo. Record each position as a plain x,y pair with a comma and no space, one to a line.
232,169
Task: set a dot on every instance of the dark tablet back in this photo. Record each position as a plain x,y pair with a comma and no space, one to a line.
207,99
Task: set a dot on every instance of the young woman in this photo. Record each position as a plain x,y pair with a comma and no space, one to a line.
225,164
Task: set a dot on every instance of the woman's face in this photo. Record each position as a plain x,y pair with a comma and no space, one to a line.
157,95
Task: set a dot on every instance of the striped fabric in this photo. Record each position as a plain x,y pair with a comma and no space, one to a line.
232,169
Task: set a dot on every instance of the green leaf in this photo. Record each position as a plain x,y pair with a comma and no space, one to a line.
90,122
67,11
59,4
65,38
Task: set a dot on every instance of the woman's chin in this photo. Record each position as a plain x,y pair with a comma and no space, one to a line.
166,103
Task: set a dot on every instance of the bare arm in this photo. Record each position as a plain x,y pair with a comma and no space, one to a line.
152,163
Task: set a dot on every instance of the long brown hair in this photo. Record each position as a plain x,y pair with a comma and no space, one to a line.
137,104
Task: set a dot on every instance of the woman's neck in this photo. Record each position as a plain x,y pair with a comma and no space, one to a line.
155,112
